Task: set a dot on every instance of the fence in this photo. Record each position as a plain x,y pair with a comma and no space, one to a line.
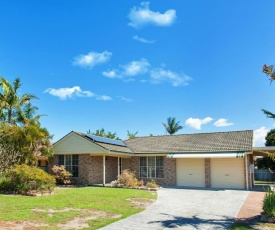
264,174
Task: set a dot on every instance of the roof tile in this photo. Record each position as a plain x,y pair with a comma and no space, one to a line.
199,142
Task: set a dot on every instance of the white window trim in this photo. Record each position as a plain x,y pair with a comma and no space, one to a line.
147,167
65,157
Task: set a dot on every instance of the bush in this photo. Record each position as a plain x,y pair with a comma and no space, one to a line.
126,179
61,175
151,184
269,203
24,178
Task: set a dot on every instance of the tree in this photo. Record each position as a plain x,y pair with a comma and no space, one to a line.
172,126
102,133
131,135
22,139
270,138
23,144
10,102
267,162
269,71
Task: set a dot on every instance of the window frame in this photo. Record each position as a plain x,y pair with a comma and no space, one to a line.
150,170
70,162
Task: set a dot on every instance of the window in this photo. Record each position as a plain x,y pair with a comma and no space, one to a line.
70,162
151,167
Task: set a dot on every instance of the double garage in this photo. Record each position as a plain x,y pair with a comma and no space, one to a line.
211,172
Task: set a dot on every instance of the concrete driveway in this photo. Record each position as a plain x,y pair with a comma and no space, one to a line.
187,209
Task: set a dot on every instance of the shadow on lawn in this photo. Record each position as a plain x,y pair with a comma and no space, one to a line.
223,222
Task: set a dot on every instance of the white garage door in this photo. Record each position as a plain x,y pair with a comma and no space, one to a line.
190,172
227,173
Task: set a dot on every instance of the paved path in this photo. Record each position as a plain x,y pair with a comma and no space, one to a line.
187,209
252,207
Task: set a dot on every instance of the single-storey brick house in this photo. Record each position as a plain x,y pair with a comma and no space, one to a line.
214,160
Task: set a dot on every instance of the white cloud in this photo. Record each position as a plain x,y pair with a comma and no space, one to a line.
141,16
64,93
104,98
111,74
196,123
129,70
159,75
92,58
143,40
259,136
132,69
222,123
125,99
136,67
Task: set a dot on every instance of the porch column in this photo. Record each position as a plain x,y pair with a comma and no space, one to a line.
104,159
118,171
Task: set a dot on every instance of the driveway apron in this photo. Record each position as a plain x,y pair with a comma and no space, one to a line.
186,208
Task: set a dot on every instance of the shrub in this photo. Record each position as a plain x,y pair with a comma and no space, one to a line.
126,179
269,203
24,178
151,184
61,175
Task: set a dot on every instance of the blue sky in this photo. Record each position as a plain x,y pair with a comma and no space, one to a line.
129,65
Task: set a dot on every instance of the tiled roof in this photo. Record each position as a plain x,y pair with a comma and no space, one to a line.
107,146
199,142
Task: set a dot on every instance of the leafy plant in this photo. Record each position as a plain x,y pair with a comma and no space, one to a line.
61,175
24,178
172,126
126,179
269,203
131,135
103,133
152,184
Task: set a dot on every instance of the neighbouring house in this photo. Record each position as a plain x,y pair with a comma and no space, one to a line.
213,160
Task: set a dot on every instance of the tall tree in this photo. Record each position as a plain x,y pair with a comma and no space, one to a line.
172,126
23,144
267,162
10,101
131,135
270,138
270,72
22,139
28,113
102,133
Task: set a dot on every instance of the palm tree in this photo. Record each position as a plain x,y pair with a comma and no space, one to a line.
10,101
172,126
28,114
268,114
131,135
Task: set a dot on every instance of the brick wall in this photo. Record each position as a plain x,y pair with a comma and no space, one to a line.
111,169
247,170
169,171
207,173
90,169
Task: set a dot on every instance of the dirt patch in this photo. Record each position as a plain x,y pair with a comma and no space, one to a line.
141,202
20,225
78,222
81,222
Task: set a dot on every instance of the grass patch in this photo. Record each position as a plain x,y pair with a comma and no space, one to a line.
66,204
264,182
246,226
239,226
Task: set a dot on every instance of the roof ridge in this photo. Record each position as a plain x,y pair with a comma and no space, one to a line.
250,130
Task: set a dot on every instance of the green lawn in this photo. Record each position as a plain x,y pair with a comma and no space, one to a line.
246,226
107,204
264,182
